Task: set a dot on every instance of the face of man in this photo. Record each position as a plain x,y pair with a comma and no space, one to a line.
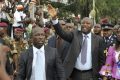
115,30
69,26
62,24
97,29
107,32
3,31
86,25
18,35
38,37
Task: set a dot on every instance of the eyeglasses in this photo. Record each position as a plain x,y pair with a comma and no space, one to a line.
62,24
97,26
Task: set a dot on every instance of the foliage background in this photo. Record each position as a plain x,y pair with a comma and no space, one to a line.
103,8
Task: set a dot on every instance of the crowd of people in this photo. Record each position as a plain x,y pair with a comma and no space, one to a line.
34,48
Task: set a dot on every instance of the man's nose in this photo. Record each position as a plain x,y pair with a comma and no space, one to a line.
85,24
41,36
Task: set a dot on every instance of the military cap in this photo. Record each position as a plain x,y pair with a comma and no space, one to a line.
19,30
3,24
107,26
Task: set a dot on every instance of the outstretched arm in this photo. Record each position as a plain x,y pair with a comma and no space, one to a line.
68,36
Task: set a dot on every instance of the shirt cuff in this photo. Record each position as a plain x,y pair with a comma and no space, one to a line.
55,22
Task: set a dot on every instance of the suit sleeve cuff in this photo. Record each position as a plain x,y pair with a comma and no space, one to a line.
55,22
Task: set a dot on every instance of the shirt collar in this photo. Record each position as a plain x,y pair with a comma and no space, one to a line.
88,35
41,49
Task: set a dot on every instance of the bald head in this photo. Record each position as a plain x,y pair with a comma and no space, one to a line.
37,29
38,37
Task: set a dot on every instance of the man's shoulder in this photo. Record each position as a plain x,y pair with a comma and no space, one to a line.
25,53
49,48
97,36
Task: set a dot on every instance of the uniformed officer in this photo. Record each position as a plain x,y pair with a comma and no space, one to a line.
108,36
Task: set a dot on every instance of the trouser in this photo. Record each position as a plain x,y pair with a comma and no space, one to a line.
83,75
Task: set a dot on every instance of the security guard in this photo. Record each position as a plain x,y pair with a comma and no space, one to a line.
108,36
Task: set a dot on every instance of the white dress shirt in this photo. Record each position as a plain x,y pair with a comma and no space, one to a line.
88,64
42,53
17,18
2,15
117,55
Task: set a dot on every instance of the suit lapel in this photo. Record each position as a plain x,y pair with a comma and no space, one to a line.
29,62
46,56
93,41
80,38
93,45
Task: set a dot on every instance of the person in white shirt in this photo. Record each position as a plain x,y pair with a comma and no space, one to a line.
40,62
19,15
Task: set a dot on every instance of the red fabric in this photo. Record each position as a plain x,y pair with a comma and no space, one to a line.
3,24
19,30
46,30
104,21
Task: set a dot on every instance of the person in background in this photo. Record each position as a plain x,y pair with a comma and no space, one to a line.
3,16
57,42
18,45
19,16
52,41
69,27
97,29
4,34
112,65
115,30
109,38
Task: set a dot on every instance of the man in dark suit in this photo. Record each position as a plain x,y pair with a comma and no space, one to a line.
40,62
62,47
83,60
57,42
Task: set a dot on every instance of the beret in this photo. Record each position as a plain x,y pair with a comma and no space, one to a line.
3,24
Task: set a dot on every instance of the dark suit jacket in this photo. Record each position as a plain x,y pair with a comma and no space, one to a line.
76,38
52,41
53,65
62,50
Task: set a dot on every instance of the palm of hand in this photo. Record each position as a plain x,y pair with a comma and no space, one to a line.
52,11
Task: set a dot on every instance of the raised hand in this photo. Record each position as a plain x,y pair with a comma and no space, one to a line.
52,11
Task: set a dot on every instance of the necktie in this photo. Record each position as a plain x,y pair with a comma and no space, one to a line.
39,72
84,50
